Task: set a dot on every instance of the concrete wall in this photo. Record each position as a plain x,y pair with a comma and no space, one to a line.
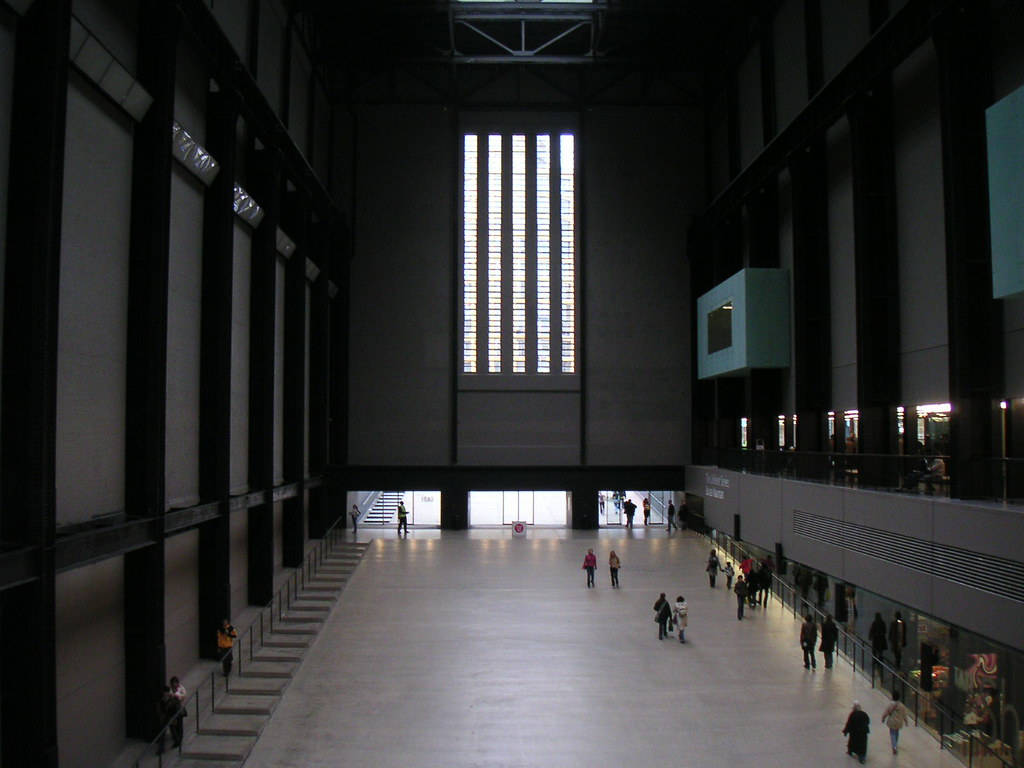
240,305
790,61
842,277
181,605
766,506
400,359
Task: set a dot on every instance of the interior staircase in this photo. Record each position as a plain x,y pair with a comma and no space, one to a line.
384,510
222,735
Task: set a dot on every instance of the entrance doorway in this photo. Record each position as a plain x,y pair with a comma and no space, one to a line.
380,508
611,507
550,508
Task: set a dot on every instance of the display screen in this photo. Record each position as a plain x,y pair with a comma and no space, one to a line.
720,328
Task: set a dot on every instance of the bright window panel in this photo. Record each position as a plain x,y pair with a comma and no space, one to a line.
470,223
494,254
519,254
543,254
567,193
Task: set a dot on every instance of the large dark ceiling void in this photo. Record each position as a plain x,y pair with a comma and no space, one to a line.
353,40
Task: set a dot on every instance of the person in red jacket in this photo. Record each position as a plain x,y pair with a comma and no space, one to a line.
589,564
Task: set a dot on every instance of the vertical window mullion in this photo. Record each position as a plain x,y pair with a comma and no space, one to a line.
556,256
567,199
517,195
494,250
506,253
543,236
470,253
482,259
531,252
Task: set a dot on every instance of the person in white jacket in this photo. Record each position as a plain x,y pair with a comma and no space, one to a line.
679,613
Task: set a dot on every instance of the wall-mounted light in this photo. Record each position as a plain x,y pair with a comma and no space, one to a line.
93,60
332,289
246,208
312,270
191,154
285,245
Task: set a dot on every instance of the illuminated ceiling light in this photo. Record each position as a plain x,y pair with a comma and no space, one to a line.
1002,404
934,408
246,207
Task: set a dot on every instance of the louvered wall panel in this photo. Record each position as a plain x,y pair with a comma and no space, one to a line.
995,575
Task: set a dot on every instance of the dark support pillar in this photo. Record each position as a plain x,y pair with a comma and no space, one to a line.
28,681
146,407
584,506
293,526
319,369
454,508
877,291
813,47
732,107
962,41
215,371
699,258
769,112
811,310
338,435
764,388
265,179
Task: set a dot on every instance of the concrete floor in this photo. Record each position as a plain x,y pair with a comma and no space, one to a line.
474,649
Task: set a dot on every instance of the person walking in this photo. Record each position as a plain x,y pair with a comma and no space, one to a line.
354,514
741,597
829,636
403,519
894,718
613,567
647,511
808,637
670,514
729,572
630,509
589,564
226,635
856,731
662,613
680,614
177,691
712,568
898,638
167,708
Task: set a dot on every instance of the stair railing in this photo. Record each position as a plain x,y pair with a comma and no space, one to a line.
254,636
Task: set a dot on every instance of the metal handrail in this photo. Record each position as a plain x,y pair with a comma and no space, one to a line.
849,646
305,571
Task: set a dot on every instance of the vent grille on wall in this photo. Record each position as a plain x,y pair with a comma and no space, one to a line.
995,575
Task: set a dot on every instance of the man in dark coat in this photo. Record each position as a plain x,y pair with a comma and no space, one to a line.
856,732
808,636
829,636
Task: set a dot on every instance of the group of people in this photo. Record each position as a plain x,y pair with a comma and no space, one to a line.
590,565
809,636
754,585
403,518
672,520
171,707
668,617
858,725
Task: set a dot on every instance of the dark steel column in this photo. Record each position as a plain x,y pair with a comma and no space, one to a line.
293,526
146,407
35,185
215,370
319,371
962,41
265,179
876,265
812,345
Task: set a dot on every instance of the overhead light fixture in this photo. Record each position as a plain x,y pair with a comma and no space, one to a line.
191,154
246,208
93,60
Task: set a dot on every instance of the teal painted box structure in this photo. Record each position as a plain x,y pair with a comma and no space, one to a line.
743,323
1004,125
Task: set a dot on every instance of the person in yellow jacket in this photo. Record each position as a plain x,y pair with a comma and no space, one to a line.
226,635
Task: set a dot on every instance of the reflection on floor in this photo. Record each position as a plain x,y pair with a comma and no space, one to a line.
459,649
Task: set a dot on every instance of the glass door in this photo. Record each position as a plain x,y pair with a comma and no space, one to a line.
609,508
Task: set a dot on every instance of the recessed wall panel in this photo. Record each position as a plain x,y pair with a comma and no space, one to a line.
240,292
790,61
279,374
91,336
232,16
845,28
115,24
920,210
6,85
89,640
748,86
181,602
273,19
299,96
842,272
239,561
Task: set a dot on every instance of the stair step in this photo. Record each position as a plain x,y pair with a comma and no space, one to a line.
292,618
242,726
316,597
271,643
293,631
202,763
260,674
244,709
282,657
310,587
237,732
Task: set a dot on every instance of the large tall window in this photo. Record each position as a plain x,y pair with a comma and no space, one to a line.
519,253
